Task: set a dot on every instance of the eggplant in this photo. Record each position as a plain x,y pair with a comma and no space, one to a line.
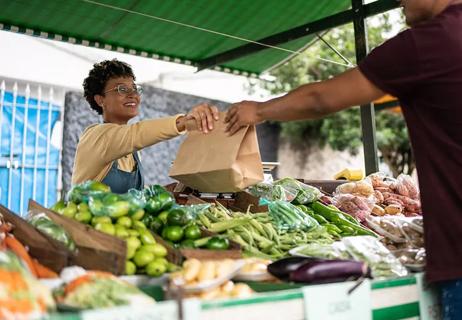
282,268
330,271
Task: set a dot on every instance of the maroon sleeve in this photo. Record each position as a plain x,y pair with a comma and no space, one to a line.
393,66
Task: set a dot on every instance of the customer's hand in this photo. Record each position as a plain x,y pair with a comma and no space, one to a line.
240,115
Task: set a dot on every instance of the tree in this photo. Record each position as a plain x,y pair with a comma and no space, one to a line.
342,130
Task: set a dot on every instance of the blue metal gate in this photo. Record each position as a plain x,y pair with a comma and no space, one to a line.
29,162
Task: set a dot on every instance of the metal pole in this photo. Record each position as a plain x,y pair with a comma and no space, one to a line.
367,111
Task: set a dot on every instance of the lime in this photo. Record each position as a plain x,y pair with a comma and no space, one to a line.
146,237
156,268
130,268
110,198
121,232
133,233
138,225
163,216
83,207
83,216
124,221
70,210
188,243
138,215
106,228
159,250
133,243
130,253
177,217
162,260
98,186
174,233
156,224
96,220
143,257
59,206
192,232
118,209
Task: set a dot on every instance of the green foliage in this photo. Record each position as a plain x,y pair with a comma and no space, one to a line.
341,131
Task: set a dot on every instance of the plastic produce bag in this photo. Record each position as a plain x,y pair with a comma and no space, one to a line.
357,206
370,250
335,250
287,216
136,200
304,193
388,227
82,192
42,222
157,199
271,192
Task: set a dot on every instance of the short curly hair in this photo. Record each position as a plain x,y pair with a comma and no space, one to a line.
98,77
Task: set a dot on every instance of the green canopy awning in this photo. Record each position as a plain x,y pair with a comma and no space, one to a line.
184,31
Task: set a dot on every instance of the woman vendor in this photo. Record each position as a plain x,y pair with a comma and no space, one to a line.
108,152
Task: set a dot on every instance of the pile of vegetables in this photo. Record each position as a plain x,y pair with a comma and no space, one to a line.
120,215
257,233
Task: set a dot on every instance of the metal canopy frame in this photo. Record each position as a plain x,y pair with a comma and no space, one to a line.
357,14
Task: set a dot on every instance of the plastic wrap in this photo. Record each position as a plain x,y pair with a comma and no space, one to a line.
369,249
335,250
286,189
82,192
287,216
43,223
388,227
357,206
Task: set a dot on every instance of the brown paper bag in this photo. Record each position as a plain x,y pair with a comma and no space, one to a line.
215,162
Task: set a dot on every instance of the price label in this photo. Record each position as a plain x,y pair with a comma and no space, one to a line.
429,302
332,301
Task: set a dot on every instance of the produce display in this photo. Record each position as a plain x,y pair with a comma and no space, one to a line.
371,228
379,195
121,216
258,234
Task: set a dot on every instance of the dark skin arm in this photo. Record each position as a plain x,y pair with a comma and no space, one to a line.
310,101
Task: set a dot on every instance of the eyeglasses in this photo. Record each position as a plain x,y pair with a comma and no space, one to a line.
123,90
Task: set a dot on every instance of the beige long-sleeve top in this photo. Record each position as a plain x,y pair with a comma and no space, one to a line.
101,144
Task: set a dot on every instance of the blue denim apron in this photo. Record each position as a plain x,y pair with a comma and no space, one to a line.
121,181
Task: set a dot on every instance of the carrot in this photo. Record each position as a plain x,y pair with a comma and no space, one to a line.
86,278
17,247
42,271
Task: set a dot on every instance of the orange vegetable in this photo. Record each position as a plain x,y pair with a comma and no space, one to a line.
86,278
43,272
17,247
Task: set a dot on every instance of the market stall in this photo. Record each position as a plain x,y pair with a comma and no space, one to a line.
225,247
300,253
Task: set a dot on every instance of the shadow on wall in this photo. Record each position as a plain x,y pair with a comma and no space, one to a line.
156,103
